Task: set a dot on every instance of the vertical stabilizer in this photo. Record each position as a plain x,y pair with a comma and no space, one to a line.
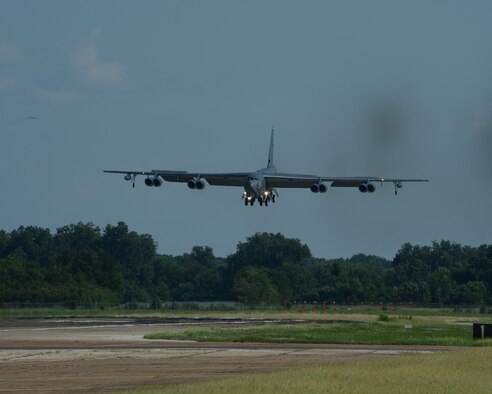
270,153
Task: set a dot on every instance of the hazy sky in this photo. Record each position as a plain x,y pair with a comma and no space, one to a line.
384,88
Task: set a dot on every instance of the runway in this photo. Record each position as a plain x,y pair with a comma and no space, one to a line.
100,354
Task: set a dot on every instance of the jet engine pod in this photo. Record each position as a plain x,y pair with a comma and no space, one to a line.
322,188
149,181
315,188
157,181
197,184
128,177
200,184
367,188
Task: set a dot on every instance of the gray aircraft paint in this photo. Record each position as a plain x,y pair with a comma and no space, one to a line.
261,185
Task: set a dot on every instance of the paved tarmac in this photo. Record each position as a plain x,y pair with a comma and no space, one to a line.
105,354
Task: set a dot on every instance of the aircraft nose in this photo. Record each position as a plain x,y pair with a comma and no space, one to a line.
252,185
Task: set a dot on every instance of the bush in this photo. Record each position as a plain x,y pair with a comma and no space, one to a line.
70,305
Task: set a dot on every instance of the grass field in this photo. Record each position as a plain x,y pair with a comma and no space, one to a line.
374,333
244,312
447,372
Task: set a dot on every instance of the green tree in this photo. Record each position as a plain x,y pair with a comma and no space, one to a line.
268,250
135,256
20,280
473,292
4,242
78,236
443,288
293,281
35,242
252,285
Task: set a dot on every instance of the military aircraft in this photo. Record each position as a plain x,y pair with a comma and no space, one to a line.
262,185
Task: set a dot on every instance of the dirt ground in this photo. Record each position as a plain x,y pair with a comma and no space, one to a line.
101,355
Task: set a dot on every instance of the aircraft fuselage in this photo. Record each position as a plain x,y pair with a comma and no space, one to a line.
261,185
256,188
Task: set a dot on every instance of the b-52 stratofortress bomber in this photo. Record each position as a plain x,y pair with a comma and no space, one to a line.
262,185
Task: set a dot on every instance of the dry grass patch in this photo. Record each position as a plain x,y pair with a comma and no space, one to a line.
447,372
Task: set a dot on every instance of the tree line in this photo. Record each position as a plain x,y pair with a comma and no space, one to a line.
82,263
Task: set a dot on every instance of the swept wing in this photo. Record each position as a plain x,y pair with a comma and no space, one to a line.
283,180
215,179
261,185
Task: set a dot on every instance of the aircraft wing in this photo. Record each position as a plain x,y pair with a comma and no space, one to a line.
260,185
281,180
216,179
274,180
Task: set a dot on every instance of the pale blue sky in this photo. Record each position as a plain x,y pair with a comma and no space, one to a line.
385,88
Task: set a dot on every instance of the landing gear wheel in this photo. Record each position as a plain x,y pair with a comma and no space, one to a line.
273,198
246,202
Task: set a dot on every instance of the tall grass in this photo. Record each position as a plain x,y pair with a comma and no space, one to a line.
448,372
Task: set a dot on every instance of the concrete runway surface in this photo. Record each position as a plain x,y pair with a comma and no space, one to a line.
109,354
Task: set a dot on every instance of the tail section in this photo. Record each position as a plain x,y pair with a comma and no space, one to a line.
270,153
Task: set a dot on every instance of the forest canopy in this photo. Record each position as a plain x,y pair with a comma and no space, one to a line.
82,263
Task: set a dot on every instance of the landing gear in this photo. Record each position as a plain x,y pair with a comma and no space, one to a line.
263,199
249,200
130,177
398,185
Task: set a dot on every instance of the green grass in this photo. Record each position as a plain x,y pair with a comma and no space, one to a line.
67,312
375,333
244,312
446,372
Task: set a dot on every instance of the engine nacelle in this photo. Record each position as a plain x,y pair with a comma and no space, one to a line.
318,188
367,188
198,184
149,181
157,181
128,177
